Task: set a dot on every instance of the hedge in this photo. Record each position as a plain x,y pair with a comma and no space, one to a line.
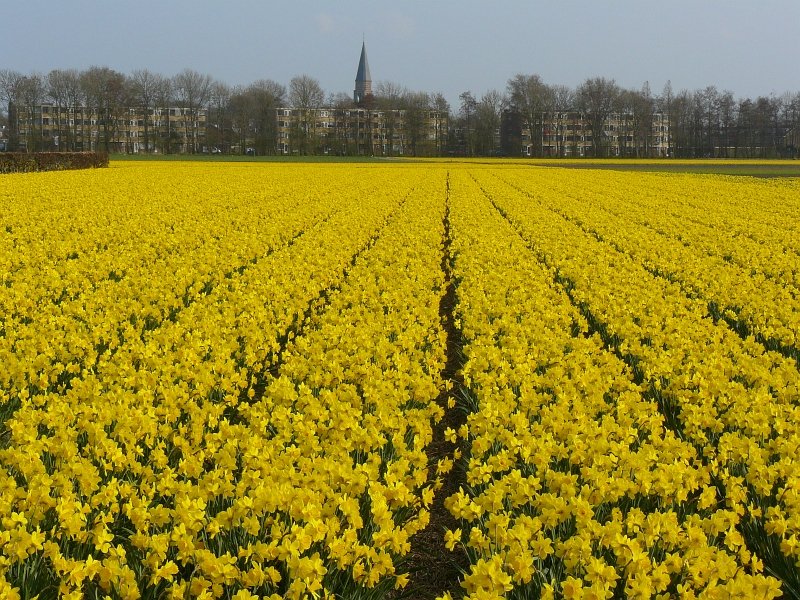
24,162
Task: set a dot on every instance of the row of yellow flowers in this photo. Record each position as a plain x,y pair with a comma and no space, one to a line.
736,402
744,260
161,465
576,486
356,396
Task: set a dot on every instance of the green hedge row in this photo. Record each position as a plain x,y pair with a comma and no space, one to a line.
23,162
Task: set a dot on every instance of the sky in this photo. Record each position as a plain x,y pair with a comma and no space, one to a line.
449,46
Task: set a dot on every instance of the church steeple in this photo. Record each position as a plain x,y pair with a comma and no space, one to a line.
363,78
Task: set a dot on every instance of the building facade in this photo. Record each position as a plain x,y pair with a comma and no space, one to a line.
569,134
361,131
126,130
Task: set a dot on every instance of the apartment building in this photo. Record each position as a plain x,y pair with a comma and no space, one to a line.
124,130
569,134
361,131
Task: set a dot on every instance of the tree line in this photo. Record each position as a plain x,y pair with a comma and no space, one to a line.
702,123
101,99
705,123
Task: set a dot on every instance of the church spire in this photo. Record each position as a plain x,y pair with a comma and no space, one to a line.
363,78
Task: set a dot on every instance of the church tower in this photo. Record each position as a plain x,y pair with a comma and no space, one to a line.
363,78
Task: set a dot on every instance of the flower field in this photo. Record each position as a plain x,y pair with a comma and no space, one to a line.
231,380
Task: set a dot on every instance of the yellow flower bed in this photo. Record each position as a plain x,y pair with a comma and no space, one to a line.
576,485
221,380
148,446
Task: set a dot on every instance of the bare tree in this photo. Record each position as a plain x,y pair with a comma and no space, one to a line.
487,122
596,97
266,96
218,118
644,109
10,82
240,111
305,95
442,109
164,99
31,93
57,93
340,139
146,88
106,96
417,107
529,95
75,101
622,129
665,102
388,97
680,112
467,110
192,92
790,120
563,98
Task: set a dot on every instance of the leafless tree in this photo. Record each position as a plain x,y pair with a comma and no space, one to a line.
442,109
563,99
253,115
389,99
727,123
10,82
665,105
306,96
596,97
487,122
218,122
467,110
192,91
146,89
790,117
417,106
644,110
57,93
107,98
266,97
164,99
31,94
534,100
622,130
240,111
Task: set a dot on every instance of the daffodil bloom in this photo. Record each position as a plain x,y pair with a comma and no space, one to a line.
222,377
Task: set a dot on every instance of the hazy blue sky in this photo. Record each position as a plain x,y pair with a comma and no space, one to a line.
746,46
